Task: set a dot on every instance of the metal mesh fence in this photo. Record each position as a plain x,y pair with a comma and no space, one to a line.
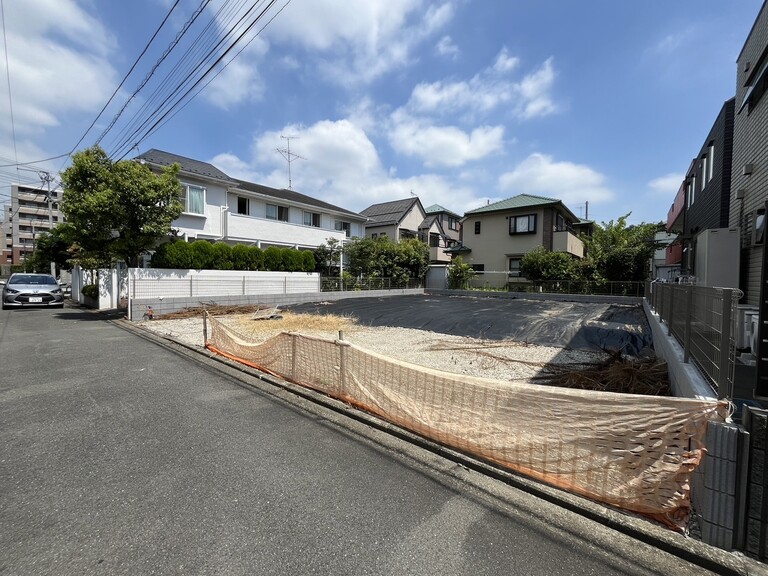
633,452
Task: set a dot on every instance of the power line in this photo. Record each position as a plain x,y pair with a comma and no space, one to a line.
171,105
144,51
8,77
218,72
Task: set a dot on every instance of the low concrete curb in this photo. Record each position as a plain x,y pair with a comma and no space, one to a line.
693,551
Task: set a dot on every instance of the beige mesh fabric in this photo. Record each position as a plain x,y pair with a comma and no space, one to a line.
632,452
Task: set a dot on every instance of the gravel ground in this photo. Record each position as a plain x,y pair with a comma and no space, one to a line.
498,359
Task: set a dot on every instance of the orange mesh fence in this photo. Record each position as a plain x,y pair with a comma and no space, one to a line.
632,452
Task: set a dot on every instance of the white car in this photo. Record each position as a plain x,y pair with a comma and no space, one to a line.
26,289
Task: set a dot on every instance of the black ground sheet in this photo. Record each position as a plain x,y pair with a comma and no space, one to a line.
576,325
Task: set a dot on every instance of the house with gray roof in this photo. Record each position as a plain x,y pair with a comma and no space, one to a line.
396,220
495,237
219,207
441,229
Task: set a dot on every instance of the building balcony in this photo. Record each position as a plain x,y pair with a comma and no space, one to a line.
676,211
437,254
565,241
248,229
674,254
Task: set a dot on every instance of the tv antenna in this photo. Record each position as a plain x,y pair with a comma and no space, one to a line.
289,156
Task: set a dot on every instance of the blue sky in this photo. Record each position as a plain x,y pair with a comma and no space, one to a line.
460,102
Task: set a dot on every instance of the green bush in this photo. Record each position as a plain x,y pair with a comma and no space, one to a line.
90,290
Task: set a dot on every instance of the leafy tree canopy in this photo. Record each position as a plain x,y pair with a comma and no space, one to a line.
117,210
616,251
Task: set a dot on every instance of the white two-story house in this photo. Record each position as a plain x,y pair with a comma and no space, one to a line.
218,207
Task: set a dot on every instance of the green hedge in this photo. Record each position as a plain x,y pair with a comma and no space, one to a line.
203,255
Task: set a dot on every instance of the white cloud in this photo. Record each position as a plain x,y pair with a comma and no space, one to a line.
572,183
51,43
488,90
445,145
340,165
239,81
446,47
667,185
354,43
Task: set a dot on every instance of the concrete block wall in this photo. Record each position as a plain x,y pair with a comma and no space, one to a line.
717,484
138,306
756,536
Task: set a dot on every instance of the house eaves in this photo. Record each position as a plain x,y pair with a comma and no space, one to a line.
521,202
189,167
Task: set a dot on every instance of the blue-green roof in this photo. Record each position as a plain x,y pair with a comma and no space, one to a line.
519,201
435,208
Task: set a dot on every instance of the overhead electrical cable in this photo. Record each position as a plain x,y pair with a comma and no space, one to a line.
212,78
175,42
137,136
8,77
130,71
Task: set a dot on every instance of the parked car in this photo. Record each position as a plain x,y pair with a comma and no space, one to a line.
23,289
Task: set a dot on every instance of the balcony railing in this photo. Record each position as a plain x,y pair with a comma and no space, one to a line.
567,241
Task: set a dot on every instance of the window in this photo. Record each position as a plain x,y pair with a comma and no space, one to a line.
275,212
704,171
345,226
312,219
453,224
478,268
758,234
434,240
194,199
243,205
374,236
514,267
477,227
522,224
756,87
711,164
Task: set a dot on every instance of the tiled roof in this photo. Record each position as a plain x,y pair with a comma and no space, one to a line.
187,164
388,212
519,201
292,196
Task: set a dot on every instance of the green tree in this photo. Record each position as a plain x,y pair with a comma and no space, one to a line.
53,246
459,274
542,265
619,252
117,210
327,256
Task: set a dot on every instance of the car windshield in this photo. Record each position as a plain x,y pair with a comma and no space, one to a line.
31,279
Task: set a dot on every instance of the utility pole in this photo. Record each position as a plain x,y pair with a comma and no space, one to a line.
46,178
289,156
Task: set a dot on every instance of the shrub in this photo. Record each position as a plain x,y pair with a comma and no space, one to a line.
459,274
90,290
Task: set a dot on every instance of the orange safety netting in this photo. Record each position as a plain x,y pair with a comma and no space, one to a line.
633,452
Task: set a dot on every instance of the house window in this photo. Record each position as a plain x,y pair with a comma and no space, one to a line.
243,205
434,240
514,267
345,226
522,224
756,87
194,199
453,224
312,219
478,268
477,227
275,212
704,171
711,163
758,235
374,236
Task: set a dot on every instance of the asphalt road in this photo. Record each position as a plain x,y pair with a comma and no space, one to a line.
577,325
120,456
